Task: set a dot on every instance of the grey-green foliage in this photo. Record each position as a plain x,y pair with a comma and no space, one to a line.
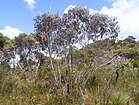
74,26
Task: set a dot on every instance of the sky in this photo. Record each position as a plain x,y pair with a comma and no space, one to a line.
16,16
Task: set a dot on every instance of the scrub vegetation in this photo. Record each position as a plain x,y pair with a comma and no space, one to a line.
74,59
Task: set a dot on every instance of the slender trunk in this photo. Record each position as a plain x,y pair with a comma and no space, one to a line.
51,59
69,72
52,66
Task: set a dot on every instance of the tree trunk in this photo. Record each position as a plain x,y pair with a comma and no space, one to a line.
69,71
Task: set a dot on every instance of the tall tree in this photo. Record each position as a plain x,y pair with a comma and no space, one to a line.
47,28
59,34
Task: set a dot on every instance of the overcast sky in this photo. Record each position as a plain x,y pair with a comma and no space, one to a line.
17,15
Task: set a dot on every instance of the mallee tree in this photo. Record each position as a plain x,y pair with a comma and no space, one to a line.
60,33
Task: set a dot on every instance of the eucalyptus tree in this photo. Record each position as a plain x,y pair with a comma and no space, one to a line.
25,46
47,29
60,35
73,30
80,26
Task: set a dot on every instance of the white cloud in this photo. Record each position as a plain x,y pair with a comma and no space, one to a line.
127,12
10,32
30,3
